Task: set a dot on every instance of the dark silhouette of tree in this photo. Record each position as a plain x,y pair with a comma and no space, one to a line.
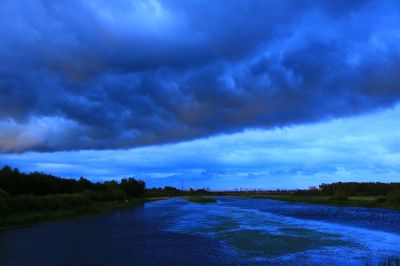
133,187
39,191
358,189
40,184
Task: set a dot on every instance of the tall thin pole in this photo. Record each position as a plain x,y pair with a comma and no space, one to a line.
182,184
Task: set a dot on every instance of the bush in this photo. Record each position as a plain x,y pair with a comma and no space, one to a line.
3,194
308,192
3,206
3,201
339,198
340,195
381,199
49,202
105,195
300,192
394,196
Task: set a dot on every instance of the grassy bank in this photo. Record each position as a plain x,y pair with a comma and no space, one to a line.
355,201
34,217
200,199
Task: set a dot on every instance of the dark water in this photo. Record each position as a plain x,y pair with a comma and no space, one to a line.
232,232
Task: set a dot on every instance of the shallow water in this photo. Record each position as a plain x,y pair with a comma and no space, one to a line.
233,231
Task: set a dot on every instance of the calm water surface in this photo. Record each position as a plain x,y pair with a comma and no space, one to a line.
232,232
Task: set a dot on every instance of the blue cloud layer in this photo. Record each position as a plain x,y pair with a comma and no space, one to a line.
364,148
120,74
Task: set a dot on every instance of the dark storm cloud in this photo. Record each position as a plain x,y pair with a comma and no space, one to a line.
119,74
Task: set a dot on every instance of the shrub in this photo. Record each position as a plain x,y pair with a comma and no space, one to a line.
381,199
394,196
3,201
49,202
339,196
3,194
105,195
3,206
300,192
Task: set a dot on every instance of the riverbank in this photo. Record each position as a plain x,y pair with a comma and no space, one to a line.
352,201
22,219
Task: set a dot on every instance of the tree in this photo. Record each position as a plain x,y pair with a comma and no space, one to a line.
133,187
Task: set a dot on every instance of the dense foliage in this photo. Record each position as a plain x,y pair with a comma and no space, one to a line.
132,187
169,191
387,194
20,192
3,201
16,183
48,202
394,196
358,189
164,192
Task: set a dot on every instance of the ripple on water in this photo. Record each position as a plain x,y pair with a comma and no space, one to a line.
260,235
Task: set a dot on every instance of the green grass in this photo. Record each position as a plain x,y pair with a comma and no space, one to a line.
199,199
35,217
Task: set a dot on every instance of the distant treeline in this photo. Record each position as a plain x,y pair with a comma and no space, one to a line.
169,191
358,189
40,191
16,183
389,192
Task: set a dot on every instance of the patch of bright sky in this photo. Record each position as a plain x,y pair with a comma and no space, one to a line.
363,148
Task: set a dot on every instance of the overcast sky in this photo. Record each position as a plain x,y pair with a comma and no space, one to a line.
221,94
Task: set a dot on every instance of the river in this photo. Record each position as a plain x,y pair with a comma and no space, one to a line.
234,231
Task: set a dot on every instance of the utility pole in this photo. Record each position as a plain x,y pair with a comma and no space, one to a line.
182,185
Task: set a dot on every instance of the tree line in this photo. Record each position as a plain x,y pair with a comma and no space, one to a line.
358,188
40,191
16,183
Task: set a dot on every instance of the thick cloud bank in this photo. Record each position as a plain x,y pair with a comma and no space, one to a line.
118,74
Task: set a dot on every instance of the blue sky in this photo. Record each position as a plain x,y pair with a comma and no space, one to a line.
221,94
